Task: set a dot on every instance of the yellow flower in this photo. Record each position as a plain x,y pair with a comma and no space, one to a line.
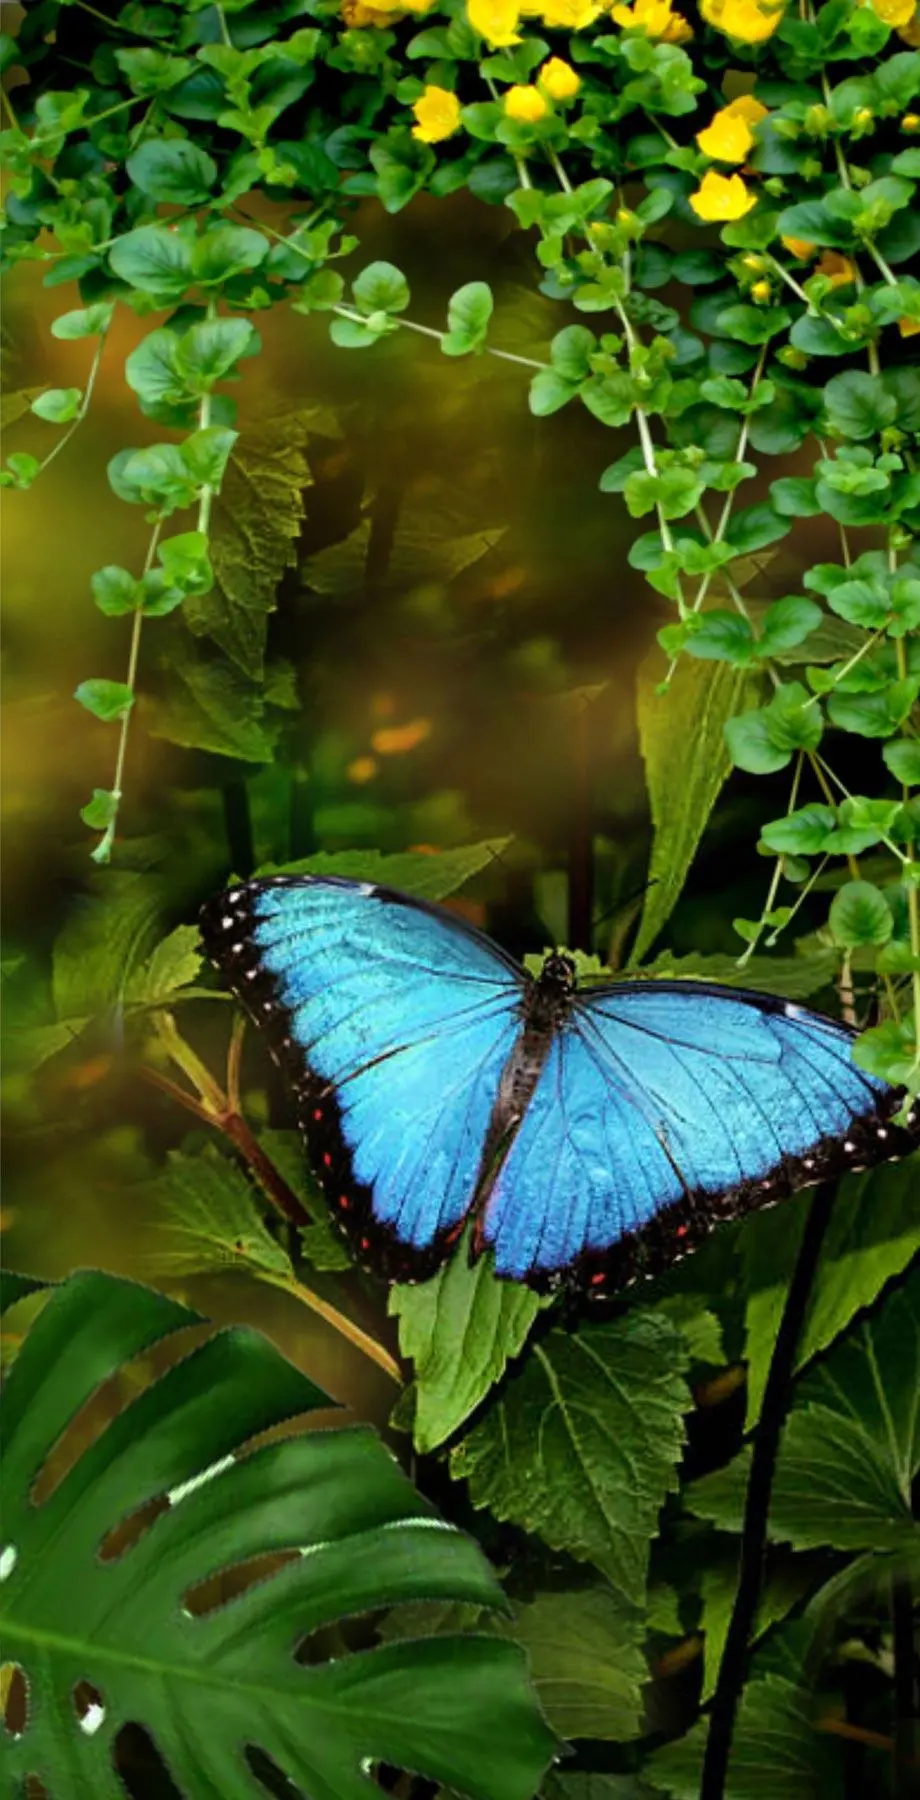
656,19
569,15
438,115
743,20
761,292
910,33
729,137
417,6
721,197
495,20
894,12
836,269
910,123
800,248
526,104
908,327
395,740
559,80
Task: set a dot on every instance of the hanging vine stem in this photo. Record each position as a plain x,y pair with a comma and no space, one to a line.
84,406
777,1393
103,849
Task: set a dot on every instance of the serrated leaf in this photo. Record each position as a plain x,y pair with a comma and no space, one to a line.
874,1233
209,705
106,937
686,764
582,1447
586,1663
255,523
209,1684
209,1219
775,1750
851,1446
424,876
175,964
795,977
459,1330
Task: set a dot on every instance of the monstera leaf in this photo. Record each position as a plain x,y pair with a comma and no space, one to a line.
336,1527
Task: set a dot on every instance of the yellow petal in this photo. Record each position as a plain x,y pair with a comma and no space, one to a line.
908,327
721,198
437,112
894,12
495,20
559,80
727,138
799,247
525,104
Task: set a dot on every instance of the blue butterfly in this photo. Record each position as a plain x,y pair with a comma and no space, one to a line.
593,1134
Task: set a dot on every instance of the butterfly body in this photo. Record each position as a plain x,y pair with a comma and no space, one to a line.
590,1135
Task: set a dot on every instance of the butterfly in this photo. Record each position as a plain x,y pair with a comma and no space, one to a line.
588,1135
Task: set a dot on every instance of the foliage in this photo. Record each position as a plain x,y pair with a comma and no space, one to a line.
220,1673
723,218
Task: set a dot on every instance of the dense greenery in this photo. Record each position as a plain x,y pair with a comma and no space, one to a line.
721,211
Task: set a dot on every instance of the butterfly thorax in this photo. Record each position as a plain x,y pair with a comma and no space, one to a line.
545,1008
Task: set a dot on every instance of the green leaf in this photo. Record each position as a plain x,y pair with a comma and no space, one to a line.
787,623
115,590
860,914
753,324
425,877
99,812
103,944
207,1216
864,603
686,764
468,313
175,964
857,404
58,405
459,1330
582,1447
571,351
775,1748
801,833
586,1663
877,715
795,977
108,700
903,759
873,1235
549,392
85,321
851,1446
209,351
173,169
208,1685
255,524
381,288
209,705
154,259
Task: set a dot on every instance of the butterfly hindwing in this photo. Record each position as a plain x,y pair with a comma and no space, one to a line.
665,1107
393,1022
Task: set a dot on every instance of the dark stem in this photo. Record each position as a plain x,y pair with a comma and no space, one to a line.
241,1137
733,1667
905,1691
581,836
238,827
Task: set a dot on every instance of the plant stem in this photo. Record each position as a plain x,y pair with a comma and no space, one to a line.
103,849
733,1666
84,406
346,1327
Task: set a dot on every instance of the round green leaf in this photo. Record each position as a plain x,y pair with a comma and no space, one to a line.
860,914
207,1685
802,833
108,700
857,404
903,759
114,590
154,259
173,169
381,288
58,405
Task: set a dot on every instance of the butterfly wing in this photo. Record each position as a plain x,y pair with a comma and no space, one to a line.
663,1107
394,1022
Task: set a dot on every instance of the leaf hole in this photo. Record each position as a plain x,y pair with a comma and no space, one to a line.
228,1584
9,1557
89,1706
143,1771
129,1531
109,1400
14,1688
